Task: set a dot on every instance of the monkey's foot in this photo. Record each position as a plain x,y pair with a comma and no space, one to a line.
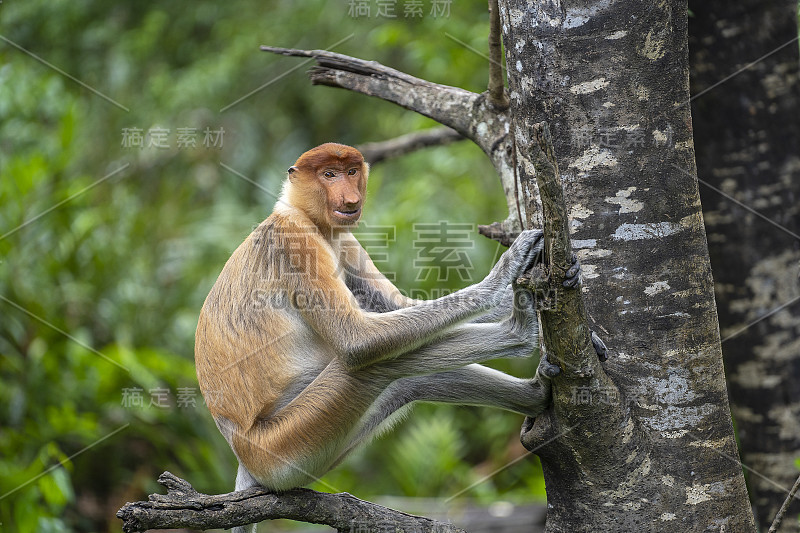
573,274
541,395
599,346
548,369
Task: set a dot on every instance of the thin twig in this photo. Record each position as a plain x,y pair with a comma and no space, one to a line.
785,507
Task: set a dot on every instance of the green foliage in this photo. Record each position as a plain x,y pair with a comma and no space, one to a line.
426,458
107,251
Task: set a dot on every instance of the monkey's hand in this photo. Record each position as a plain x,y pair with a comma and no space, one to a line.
524,323
514,262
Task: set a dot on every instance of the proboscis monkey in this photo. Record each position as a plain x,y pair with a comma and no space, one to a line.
304,349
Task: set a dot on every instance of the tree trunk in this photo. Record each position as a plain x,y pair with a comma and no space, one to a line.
747,154
607,79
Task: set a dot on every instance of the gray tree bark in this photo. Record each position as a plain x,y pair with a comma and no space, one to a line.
612,81
748,139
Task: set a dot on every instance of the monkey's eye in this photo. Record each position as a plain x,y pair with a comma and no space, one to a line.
329,174
352,171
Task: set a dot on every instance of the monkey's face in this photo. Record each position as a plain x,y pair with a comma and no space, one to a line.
329,183
344,191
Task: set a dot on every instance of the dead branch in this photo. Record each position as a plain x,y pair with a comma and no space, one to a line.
497,232
376,152
184,507
447,105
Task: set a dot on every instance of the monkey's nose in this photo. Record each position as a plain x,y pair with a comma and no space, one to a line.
352,201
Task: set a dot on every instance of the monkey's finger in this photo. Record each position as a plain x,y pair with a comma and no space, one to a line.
599,347
573,273
534,254
575,266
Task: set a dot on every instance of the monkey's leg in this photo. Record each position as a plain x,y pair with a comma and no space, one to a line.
244,481
321,424
480,385
471,385
444,372
302,441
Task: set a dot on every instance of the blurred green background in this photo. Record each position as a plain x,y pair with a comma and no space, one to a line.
103,271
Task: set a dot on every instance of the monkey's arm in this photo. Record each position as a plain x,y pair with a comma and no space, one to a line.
501,311
465,344
373,291
363,338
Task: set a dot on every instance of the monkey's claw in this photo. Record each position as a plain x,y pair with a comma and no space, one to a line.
573,274
599,347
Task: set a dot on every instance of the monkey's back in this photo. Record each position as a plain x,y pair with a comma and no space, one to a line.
253,351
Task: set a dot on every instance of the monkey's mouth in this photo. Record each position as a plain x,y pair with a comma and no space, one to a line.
348,214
